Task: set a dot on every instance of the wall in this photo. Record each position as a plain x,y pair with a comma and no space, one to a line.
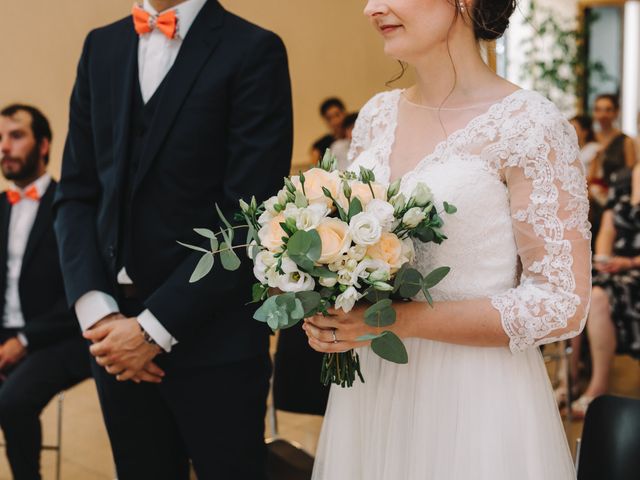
332,49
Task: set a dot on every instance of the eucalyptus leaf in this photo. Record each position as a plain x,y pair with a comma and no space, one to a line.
435,277
310,302
229,258
411,283
214,244
355,207
193,247
391,348
323,272
205,232
257,292
370,336
203,267
228,239
428,296
450,209
380,314
304,248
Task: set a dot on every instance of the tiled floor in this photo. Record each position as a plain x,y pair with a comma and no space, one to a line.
86,455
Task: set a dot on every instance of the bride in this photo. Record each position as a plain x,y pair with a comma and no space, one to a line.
475,401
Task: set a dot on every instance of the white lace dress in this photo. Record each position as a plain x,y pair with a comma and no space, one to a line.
520,240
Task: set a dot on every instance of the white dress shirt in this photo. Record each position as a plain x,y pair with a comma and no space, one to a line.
23,215
156,56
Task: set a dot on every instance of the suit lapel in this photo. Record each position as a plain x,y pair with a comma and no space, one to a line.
42,222
123,81
5,210
201,40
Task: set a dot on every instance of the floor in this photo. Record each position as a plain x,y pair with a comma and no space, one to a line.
86,455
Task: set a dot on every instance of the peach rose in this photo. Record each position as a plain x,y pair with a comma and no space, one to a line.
363,193
271,233
334,234
315,179
388,250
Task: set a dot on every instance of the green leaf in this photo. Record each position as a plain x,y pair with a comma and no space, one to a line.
301,200
205,232
410,283
193,247
380,314
229,238
214,244
257,292
203,267
428,296
450,209
304,248
435,277
229,258
310,302
424,233
391,348
372,295
370,336
323,272
355,207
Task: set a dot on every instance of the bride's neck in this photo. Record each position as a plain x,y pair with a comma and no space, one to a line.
457,75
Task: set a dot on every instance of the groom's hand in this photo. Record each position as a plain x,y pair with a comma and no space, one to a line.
120,348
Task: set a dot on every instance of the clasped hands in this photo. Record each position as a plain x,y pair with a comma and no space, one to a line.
119,346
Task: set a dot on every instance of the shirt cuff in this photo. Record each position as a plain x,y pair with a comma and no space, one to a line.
93,306
23,340
156,330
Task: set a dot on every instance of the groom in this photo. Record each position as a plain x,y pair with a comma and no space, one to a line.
176,108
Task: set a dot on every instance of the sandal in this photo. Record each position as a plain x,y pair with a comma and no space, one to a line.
580,406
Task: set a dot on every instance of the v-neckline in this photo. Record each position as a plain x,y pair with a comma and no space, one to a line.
441,146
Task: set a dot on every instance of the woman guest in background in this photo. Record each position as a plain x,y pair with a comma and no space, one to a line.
474,401
614,318
589,146
617,153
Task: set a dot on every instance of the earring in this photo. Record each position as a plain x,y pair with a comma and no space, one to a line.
461,5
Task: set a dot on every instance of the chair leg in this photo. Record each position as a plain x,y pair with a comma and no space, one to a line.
568,351
578,447
59,450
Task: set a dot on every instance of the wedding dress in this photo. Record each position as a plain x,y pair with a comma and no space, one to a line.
520,239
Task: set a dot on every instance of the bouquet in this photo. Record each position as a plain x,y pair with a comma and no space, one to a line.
332,238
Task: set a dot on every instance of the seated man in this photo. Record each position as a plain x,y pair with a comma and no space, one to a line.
41,350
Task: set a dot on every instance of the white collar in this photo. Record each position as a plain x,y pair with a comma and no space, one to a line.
186,11
41,184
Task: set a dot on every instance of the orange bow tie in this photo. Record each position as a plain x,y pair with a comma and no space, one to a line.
14,196
144,22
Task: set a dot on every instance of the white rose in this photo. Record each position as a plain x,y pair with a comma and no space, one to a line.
328,282
293,279
422,194
382,210
365,229
413,217
263,263
348,299
309,218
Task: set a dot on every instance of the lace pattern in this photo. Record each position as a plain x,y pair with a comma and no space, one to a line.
525,142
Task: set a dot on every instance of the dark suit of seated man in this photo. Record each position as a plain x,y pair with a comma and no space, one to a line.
41,349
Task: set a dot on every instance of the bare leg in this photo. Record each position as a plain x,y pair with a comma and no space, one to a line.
602,341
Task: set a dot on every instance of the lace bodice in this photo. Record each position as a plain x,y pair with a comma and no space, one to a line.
521,237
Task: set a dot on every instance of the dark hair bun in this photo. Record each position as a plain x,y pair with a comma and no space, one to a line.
491,18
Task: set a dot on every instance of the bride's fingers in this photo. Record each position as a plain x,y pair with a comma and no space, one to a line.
319,333
329,347
323,322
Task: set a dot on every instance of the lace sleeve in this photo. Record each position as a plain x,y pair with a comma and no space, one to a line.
548,198
363,130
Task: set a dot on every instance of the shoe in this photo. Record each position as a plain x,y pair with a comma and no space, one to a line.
580,406
560,394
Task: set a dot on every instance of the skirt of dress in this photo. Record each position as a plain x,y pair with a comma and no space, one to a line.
452,413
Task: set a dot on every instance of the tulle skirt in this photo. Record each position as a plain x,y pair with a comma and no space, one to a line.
452,413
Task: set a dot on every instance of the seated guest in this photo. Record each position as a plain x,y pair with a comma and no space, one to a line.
41,350
617,155
614,317
589,147
340,148
333,112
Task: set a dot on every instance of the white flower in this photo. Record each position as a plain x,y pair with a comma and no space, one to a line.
328,282
365,229
309,218
422,194
381,275
269,205
348,299
408,251
291,211
293,279
282,196
413,217
382,210
252,249
357,253
348,277
263,263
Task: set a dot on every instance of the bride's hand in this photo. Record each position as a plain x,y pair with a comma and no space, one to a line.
338,333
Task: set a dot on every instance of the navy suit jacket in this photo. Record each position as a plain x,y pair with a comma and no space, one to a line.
222,131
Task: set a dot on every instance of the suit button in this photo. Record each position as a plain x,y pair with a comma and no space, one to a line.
111,252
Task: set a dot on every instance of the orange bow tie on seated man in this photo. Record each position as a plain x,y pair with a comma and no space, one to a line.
14,196
144,22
